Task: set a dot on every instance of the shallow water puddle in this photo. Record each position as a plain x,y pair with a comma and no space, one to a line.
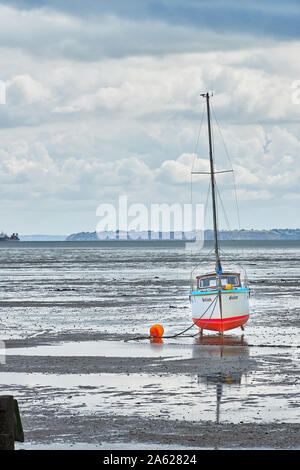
213,346
106,349
212,397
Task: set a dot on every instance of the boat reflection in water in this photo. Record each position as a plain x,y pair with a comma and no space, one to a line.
224,361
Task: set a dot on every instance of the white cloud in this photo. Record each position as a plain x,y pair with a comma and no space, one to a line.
49,33
115,108
24,90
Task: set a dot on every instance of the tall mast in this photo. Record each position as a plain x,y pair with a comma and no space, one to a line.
213,188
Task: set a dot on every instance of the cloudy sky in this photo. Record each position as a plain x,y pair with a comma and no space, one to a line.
103,99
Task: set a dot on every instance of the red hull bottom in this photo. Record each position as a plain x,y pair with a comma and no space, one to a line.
221,324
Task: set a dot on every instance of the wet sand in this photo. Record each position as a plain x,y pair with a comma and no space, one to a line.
213,393
65,316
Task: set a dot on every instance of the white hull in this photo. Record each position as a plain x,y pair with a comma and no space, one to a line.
222,312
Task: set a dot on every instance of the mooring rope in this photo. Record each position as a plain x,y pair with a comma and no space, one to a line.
183,331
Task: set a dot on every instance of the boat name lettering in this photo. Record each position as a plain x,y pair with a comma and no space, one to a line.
233,297
206,300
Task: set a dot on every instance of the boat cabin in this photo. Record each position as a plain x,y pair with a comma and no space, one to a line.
209,281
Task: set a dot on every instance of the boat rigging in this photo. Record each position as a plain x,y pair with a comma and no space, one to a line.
229,306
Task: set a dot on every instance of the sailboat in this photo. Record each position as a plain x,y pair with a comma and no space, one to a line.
219,301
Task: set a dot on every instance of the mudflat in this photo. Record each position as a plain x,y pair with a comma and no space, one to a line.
68,316
213,392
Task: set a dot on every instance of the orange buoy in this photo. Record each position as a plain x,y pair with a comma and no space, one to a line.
156,331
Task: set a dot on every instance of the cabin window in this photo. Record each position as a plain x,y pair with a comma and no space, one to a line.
208,282
233,280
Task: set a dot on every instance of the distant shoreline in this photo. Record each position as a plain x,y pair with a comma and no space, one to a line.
224,235
172,237
149,244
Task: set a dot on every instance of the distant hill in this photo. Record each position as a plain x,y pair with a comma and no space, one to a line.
274,234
